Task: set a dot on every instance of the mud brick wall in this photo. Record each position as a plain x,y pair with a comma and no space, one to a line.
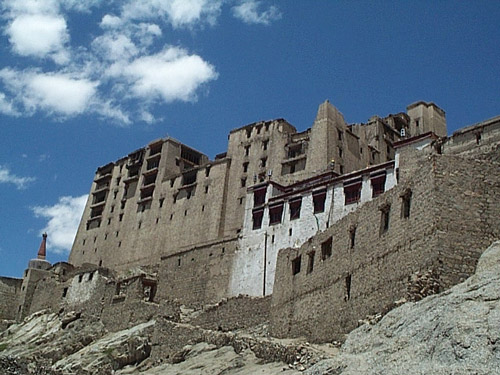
235,313
454,216
9,293
198,276
468,202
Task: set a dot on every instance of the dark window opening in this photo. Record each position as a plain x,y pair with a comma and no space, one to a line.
257,216
384,219
378,185
352,193
245,167
122,205
310,262
247,150
100,263
319,198
295,150
189,178
148,290
259,129
266,126
272,238
296,265
241,200
91,276
295,206
326,249
265,144
347,288
207,171
153,163
96,212
121,217
206,189
275,214
341,169
65,292
172,182
80,278
243,182
352,236
340,152
178,262
290,231
190,155
161,202
249,132
155,149
405,205
339,133
175,197
263,162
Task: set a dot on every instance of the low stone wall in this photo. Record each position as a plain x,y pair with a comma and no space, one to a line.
234,313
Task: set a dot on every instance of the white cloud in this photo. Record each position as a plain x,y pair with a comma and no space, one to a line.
248,12
109,21
6,106
114,47
39,35
63,219
54,93
171,75
180,13
6,177
61,93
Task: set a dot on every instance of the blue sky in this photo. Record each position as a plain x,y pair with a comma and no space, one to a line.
83,83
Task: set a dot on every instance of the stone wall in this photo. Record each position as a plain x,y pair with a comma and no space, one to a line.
234,313
197,276
9,294
367,274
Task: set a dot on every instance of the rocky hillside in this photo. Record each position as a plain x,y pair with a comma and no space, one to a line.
455,332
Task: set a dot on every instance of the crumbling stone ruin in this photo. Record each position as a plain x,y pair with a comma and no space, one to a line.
306,233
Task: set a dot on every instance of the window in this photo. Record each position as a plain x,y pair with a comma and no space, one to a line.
161,202
121,217
310,262
405,204
352,236
206,189
153,163
341,153
265,144
295,208
189,178
263,162
352,192
245,167
65,292
296,265
339,133
243,182
378,185
247,150
249,132
347,288
319,198
207,171
257,218
384,218
275,213
326,249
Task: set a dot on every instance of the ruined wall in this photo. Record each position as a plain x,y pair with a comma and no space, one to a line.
9,295
199,275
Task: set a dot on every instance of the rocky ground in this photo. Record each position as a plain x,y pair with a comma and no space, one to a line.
455,332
